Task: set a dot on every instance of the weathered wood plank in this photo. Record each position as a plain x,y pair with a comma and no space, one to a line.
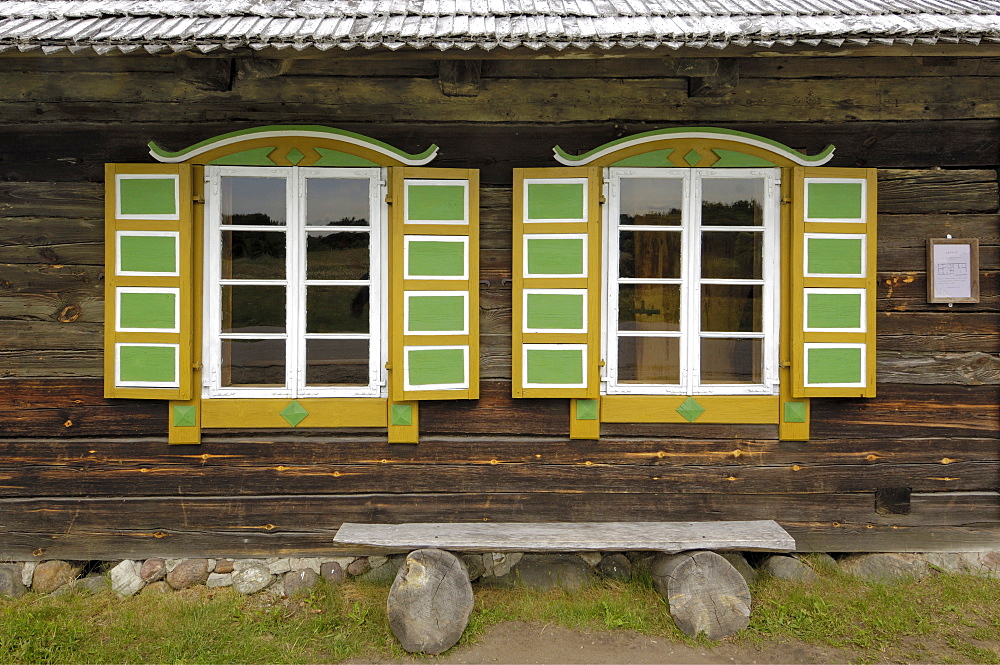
907,292
757,535
938,331
902,191
861,68
964,369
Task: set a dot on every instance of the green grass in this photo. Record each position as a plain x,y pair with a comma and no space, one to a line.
945,618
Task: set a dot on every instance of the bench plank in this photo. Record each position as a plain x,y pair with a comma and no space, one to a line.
758,535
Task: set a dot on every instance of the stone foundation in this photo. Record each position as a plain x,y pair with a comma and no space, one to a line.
288,576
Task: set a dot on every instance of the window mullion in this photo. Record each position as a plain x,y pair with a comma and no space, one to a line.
295,315
691,327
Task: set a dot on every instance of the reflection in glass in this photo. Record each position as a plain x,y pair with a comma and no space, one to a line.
253,201
649,360
732,255
253,254
337,309
336,362
732,361
650,254
649,307
333,255
337,202
253,362
732,308
653,201
732,202
253,309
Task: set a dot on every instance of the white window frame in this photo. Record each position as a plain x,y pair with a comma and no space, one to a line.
690,280
295,284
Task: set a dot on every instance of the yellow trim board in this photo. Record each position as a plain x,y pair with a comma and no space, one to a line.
323,412
719,409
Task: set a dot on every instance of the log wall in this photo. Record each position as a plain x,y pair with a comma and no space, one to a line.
84,477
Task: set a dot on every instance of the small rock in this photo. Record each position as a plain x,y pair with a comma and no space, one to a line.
188,573
592,558
27,572
819,561
385,573
739,562
499,564
430,601
303,563
300,582
474,564
243,564
549,571
223,566
156,588
885,567
126,578
377,561
93,583
216,580
153,570
615,567
10,581
173,563
358,567
332,572
277,588
789,568
50,575
278,566
252,579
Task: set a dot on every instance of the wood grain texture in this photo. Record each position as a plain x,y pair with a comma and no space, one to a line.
756,535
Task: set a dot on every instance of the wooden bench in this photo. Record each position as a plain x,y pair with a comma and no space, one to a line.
759,535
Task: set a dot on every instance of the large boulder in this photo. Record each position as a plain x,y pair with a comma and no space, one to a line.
704,592
789,568
550,571
430,601
127,579
10,581
252,579
50,575
188,573
885,567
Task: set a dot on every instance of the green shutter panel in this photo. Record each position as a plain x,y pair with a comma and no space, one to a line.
556,285
434,301
833,282
148,281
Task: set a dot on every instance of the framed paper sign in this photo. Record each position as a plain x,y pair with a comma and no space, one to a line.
952,270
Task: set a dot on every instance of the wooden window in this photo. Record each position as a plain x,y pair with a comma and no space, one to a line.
294,297
691,281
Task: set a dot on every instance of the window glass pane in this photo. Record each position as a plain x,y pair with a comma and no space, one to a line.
732,361
337,309
257,201
650,254
253,362
253,254
649,360
332,255
731,308
337,362
650,201
732,202
253,309
649,307
337,202
732,255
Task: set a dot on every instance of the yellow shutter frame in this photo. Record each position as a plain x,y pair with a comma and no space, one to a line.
149,295
833,282
557,283
434,278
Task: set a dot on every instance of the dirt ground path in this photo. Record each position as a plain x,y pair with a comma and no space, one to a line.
536,644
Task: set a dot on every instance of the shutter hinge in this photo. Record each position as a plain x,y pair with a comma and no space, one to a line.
786,202
388,365
198,199
196,367
785,363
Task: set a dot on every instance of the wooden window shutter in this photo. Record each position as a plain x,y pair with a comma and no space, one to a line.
149,288
434,277
557,282
833,282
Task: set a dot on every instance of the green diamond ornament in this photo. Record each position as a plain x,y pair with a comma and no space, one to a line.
294,413
692,158
690,410
185,415
401,414
294,156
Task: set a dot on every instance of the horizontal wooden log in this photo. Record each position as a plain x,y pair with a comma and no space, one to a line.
305,448
911,231
902,191
282,526
907,292
947,331
534,99
964,369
